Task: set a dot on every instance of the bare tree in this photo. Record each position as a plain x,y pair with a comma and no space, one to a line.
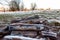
14,6
33,6
22,6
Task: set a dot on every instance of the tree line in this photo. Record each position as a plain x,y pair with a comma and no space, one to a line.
14,6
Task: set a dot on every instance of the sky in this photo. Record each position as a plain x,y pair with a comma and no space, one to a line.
53,4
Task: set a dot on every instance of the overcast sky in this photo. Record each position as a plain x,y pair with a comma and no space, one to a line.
53,4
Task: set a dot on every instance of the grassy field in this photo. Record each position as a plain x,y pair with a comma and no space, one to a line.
7,17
